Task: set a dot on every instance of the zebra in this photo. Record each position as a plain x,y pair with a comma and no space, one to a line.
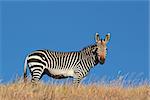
59,65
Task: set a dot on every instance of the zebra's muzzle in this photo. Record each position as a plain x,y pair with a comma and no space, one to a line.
101,60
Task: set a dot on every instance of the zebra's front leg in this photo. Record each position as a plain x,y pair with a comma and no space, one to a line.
77,78
76,81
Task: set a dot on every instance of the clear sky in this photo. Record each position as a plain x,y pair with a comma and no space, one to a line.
70,26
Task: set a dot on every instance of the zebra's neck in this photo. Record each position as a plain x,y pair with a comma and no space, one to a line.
89,53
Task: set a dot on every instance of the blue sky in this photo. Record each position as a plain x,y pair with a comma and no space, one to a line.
70,26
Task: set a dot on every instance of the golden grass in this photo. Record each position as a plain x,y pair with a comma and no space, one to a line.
28,91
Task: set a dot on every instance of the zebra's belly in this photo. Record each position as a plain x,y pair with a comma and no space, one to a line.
60,72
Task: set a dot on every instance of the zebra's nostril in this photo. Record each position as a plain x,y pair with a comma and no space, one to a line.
101,62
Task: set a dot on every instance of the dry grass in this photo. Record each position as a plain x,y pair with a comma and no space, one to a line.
28,91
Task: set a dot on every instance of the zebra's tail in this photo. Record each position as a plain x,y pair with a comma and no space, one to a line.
25,70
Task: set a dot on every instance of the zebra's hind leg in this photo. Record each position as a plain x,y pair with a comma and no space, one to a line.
36,76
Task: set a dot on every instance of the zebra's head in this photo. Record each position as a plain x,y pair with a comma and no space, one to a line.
101,47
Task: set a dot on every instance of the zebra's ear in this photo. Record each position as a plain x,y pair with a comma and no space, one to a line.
97,38
107,38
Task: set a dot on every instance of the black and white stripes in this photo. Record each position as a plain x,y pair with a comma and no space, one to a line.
64,64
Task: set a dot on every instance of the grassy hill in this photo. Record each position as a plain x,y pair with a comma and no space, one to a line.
21,91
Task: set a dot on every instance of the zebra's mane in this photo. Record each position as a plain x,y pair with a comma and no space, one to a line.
89,47
88,52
